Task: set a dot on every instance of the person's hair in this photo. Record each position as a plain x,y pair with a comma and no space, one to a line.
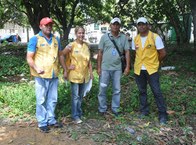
77,28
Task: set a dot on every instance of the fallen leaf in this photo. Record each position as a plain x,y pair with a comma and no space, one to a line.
171,112
11,141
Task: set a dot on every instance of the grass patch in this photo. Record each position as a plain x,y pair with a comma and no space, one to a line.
17,100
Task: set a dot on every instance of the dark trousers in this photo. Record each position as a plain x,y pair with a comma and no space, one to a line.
153,81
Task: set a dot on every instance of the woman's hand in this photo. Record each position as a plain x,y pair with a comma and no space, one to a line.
71,67
65,75
91,76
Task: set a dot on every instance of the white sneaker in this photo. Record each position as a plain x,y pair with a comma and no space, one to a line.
77,121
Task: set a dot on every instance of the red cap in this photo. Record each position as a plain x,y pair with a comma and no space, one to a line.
45,21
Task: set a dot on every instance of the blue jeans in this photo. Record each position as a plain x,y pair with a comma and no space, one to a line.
153,81
105,78
46,100
77,91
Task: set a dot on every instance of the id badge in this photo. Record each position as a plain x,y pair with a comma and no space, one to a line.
113,52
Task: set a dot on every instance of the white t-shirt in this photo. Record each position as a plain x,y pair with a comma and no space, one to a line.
158,43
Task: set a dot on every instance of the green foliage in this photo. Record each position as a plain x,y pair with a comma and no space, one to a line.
12,12
64,101
68,14
17,100
13,65
178,91
13,61
174,13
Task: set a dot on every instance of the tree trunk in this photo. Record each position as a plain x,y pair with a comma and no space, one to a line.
64,40
181,33
35,12
176,25
193,9
27,34
35,27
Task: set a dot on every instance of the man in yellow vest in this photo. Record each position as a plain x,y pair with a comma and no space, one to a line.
150,52
43,59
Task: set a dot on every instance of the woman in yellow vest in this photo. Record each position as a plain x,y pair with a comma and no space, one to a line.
79,70
150,52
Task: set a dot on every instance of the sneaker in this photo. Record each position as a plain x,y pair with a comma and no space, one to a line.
77,121
56,125
44,129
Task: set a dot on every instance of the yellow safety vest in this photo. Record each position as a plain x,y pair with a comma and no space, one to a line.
148,56
46,58
80,57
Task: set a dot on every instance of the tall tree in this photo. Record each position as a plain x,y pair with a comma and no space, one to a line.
67,13
4,14
35,11
174,12
178,14
76,12
10,12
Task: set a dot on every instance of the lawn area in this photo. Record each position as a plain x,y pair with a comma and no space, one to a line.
17,102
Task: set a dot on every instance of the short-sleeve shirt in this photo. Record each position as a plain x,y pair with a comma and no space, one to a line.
33,42
158,43
111,59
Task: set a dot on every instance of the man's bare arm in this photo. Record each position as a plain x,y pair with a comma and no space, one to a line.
99,60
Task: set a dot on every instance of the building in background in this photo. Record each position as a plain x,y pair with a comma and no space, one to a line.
13,29
94,31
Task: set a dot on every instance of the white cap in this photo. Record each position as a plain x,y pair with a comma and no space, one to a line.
142,20
115,20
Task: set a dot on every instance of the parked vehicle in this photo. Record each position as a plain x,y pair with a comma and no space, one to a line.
11,38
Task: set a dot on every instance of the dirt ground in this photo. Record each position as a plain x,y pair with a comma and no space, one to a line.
32,136
91,131
29,134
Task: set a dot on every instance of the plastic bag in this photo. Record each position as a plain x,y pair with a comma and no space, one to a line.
88,87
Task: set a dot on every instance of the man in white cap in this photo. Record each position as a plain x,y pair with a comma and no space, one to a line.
150,52
109,66
43,59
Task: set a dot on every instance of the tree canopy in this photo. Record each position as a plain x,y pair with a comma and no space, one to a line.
69,13
66,14
175,13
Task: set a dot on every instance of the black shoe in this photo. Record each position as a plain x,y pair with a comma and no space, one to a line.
142,116
56,125
117,114
163,120
102,113
44,129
